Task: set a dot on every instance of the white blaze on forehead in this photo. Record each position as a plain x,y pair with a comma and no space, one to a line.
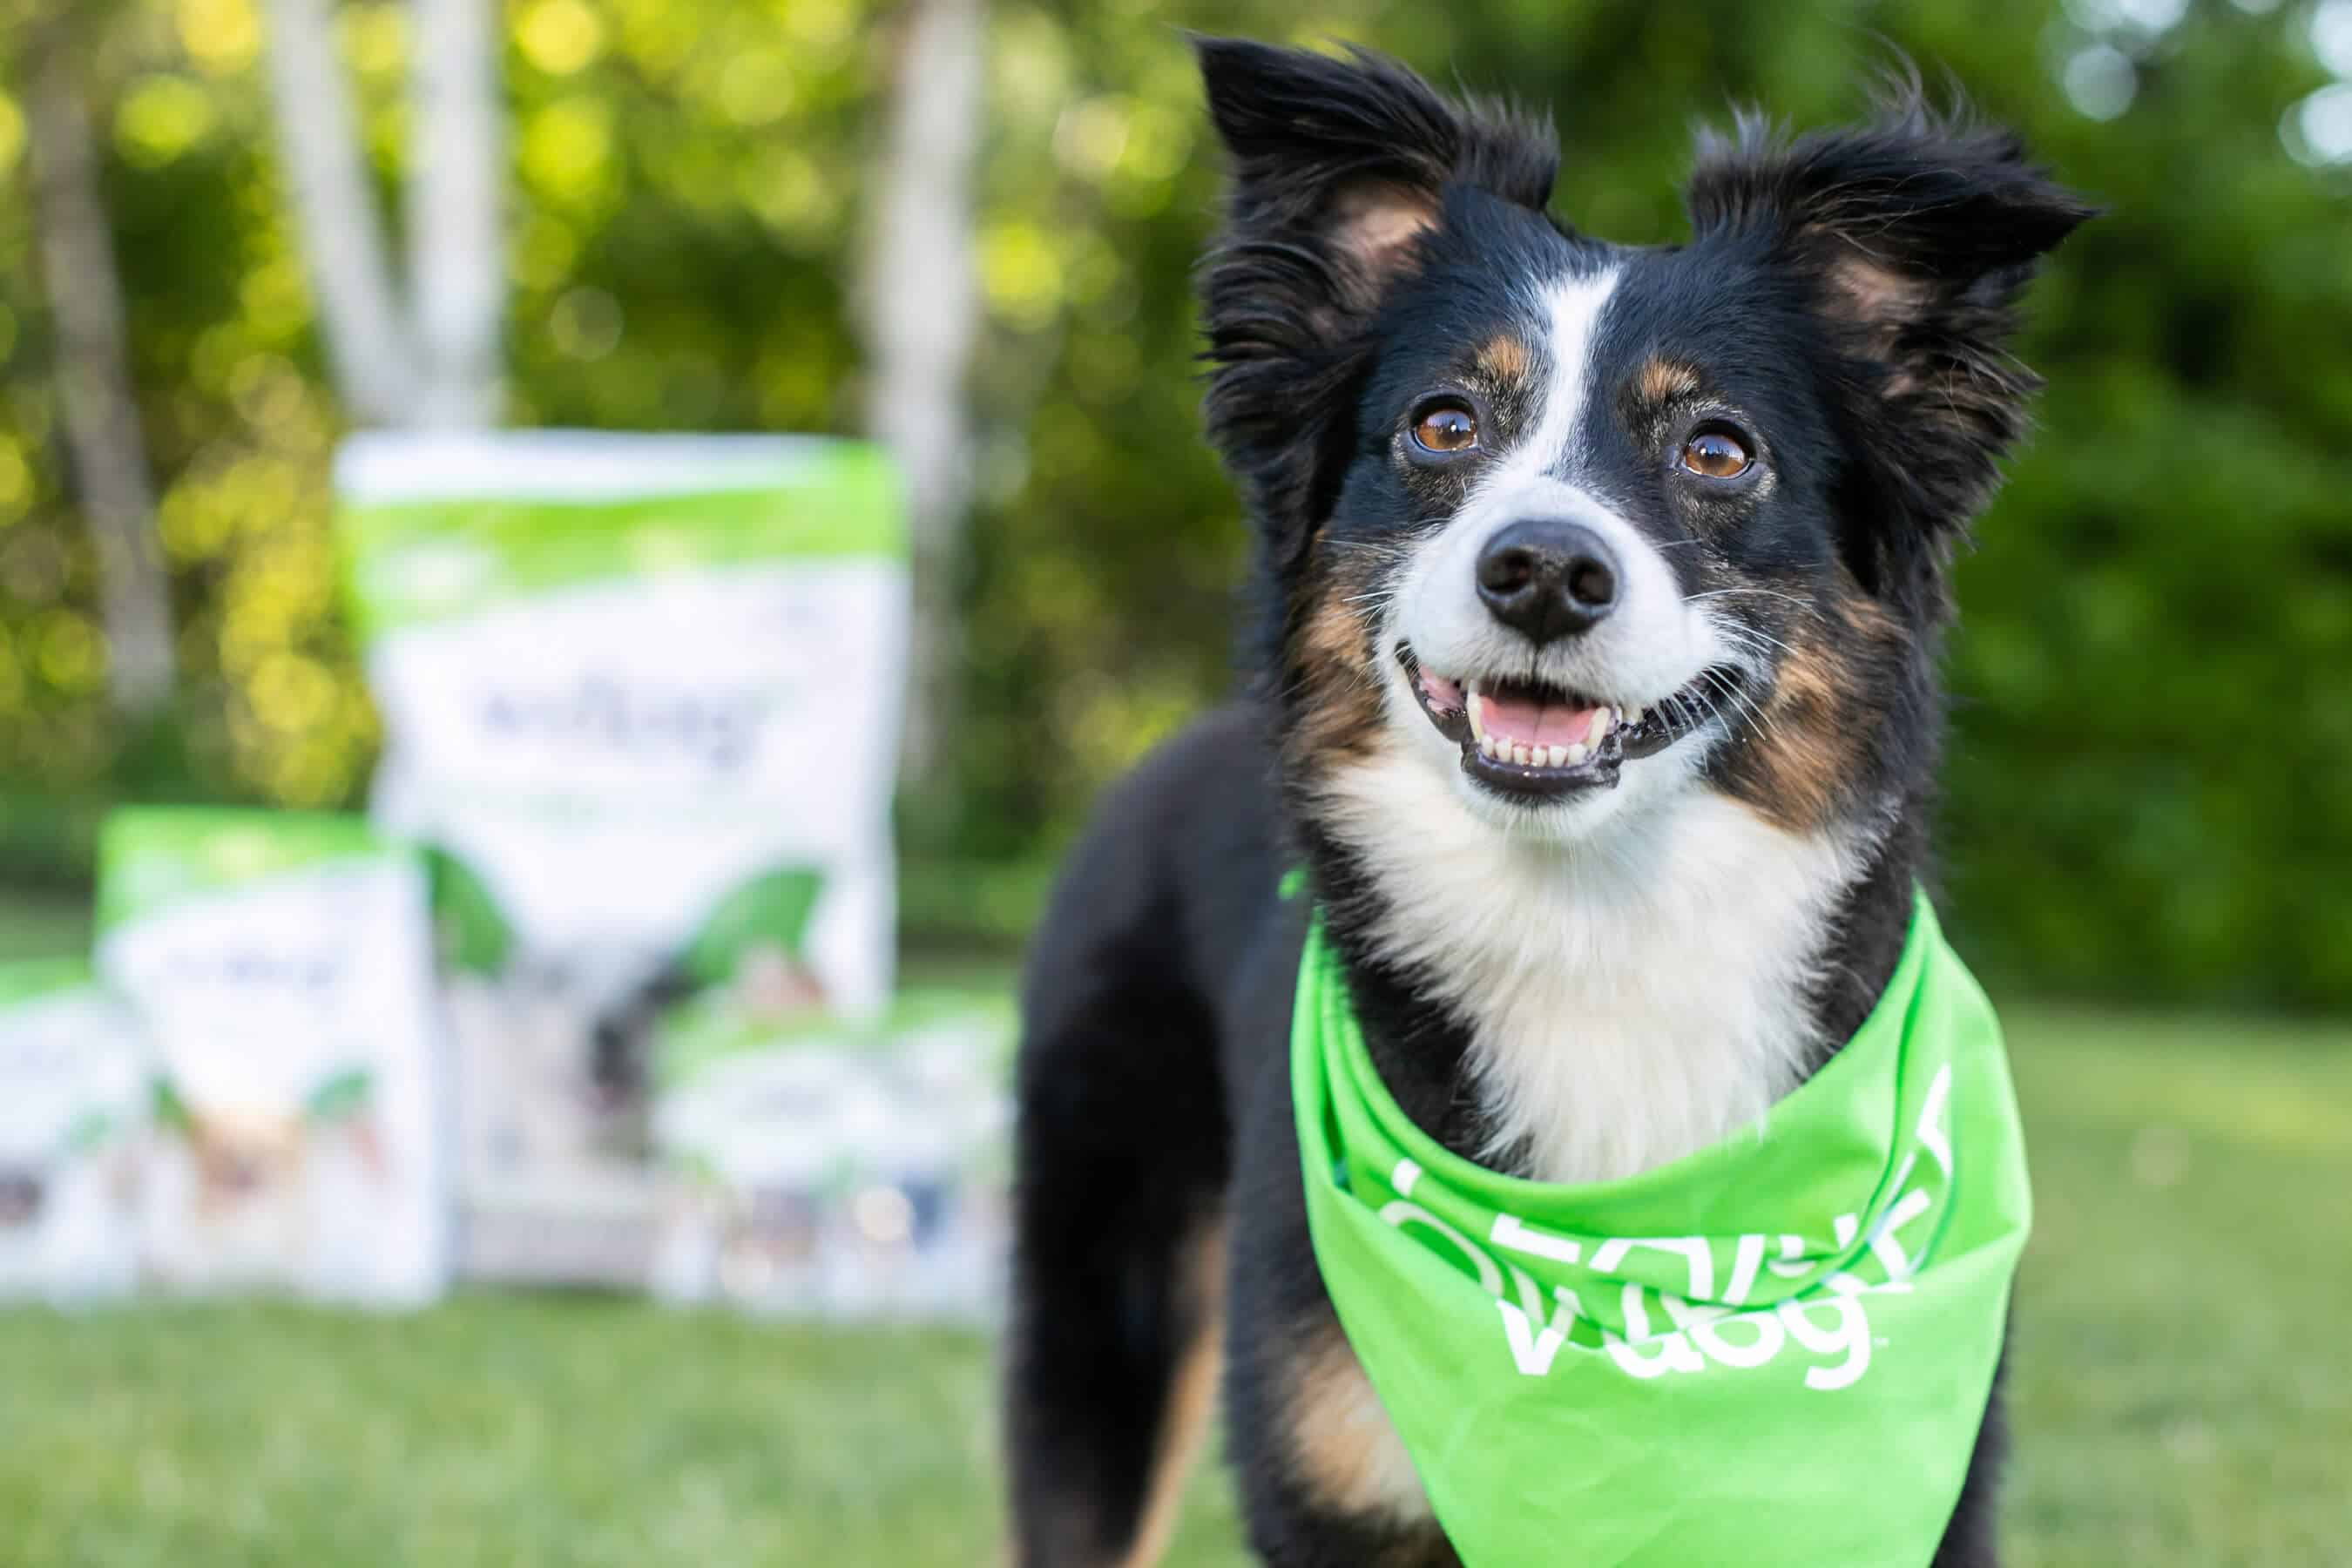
1570,309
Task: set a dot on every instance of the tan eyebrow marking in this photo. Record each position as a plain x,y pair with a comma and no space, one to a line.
1504,357
1664,380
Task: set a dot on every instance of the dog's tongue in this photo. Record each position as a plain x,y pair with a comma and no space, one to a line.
1528,721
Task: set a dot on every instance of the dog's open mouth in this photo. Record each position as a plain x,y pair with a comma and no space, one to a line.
1527,738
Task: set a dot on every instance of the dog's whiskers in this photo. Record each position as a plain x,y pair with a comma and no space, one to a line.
1757,717
1756,592
1749,636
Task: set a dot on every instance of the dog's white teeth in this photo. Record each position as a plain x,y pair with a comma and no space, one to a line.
1633,715
1601,719
1470,699
1504,751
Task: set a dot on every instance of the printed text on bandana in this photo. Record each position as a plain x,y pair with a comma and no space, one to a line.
1709,1321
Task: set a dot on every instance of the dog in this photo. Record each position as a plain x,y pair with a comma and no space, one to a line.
1596,693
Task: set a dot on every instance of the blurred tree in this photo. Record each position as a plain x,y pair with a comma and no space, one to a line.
101,418
433,361
920,302
456,224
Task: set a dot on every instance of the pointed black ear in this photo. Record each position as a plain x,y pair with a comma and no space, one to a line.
1339,166
1915,236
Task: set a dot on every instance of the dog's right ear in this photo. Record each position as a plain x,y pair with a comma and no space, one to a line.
1340,167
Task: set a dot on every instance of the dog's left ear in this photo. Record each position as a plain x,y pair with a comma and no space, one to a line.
1340,166
1914,237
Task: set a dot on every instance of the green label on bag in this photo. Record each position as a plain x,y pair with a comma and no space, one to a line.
151,856
770,912
427,547
1774,1352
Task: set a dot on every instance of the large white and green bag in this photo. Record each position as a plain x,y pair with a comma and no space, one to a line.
640,699
280,967
72,1093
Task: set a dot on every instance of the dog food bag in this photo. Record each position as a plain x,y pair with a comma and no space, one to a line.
839,1170
640,699
72,1097
281,965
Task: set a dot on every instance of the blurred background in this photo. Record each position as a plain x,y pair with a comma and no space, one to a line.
232,232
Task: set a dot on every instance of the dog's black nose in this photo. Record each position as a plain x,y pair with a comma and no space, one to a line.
1547,578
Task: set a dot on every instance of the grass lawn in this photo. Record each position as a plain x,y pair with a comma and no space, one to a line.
2183,1389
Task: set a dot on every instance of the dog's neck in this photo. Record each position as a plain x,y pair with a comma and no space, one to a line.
1577,1013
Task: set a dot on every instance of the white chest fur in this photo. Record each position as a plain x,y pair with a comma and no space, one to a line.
1632,997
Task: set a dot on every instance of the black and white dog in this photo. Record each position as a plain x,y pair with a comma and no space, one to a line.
1598,696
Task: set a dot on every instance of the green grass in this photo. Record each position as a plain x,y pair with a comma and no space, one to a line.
2184,1342
2183,1389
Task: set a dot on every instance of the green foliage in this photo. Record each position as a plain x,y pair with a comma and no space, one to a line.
2143,779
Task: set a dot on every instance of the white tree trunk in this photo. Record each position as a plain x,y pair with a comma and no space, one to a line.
108,454
379,376
922,304
456,254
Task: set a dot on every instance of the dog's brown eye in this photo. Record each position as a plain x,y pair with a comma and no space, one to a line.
1715,455
1447,428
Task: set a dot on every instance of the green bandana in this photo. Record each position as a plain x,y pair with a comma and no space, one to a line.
1776,1351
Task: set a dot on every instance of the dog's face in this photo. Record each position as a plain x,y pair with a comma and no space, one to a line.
1586,528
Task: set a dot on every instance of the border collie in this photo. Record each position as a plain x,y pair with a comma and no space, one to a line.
1596,694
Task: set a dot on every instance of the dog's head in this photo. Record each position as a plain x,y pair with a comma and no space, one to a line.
1584,526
